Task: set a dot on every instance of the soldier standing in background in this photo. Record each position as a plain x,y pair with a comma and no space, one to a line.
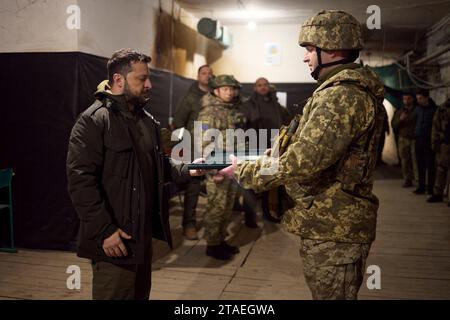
263,111
185,115
404,122
219,112
426,165
440,143
328,166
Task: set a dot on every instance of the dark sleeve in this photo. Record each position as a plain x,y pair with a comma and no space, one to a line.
395,123
245,109
178,173
84,167
181,115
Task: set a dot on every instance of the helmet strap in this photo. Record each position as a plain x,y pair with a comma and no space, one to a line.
320,65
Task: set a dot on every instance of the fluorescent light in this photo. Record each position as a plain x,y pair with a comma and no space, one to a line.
251,25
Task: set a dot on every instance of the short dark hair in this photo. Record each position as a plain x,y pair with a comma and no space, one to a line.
423,92
121,62
203,66
407,93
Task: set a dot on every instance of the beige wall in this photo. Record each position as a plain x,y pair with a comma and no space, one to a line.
38,26
108,25
246,58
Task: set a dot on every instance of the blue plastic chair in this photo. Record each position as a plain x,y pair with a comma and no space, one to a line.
5,182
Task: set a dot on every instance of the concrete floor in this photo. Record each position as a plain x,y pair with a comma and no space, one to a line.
412,250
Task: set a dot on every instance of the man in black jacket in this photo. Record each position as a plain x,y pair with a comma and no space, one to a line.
426,165
116,172
263,112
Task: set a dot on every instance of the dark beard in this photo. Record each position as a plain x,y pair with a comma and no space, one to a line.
138,101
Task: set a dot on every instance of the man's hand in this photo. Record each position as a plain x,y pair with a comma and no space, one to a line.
403,116
113,245
268,152
229,171
197,173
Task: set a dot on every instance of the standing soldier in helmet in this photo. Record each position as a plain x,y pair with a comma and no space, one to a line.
328,166
219,111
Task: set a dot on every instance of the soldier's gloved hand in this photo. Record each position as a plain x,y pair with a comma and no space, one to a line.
229,171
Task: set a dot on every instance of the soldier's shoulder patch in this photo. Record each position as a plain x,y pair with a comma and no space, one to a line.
205,126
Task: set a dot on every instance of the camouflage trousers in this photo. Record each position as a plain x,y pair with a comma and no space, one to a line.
407,154
333,270
442,167
218,209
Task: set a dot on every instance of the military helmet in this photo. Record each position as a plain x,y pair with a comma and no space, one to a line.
222,81
332,30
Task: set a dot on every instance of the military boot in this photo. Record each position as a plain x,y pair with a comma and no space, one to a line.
250,219
407,184
435,198
229,248
218,252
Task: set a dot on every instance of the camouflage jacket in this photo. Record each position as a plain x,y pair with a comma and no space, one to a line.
440,132
216,114
406,127
328,166
188,108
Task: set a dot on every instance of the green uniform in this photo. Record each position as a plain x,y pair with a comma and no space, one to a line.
328,170
406,141
440,143
215,114
188,108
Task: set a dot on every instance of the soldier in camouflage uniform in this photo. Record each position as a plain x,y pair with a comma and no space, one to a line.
219,111
440,143
328,166
404,122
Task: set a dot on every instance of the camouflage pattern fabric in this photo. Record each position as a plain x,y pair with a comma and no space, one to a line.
216,114
440,143
333,271
332,30
328,167
442,167
218,209
406,127
407,154
224,80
